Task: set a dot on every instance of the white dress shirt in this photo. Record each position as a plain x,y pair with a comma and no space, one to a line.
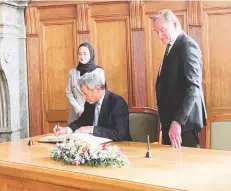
97,112
96,115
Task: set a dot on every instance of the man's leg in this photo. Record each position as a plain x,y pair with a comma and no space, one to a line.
190,138
165,136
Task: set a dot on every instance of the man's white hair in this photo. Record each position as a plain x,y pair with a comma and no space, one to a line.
93,79
169,16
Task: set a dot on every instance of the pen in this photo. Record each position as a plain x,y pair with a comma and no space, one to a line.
57,128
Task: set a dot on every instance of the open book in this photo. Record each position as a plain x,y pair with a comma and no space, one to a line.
92,140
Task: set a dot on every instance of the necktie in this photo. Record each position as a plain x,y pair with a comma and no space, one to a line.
165,55
167,50
96,117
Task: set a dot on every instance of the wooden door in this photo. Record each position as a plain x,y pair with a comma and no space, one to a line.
111,39
52,41
54,31
58,55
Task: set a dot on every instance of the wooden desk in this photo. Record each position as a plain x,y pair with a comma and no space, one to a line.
30,168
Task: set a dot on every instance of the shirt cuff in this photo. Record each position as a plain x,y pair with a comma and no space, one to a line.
175,122
92,129
69,130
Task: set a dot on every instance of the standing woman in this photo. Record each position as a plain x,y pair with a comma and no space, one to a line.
86,57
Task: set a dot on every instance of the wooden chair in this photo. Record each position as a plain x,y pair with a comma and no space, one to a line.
218,131
142,122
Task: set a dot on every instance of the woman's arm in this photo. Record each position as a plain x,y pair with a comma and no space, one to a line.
74,100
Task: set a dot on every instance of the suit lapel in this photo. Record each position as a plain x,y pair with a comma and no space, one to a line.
89,113
165,66
171,55
175,45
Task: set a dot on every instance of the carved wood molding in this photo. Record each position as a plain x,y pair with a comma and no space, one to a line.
138,75
32,21
82,18
194,13
136,14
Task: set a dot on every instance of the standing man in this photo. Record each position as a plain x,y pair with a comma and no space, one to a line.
179,91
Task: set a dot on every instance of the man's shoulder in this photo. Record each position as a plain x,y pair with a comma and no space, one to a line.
114,97
186,40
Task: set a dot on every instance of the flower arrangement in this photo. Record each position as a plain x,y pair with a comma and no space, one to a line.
75,153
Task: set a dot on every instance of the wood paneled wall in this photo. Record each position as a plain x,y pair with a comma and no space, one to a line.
126,46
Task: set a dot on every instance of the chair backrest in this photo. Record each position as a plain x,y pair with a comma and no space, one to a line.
143,122
218,132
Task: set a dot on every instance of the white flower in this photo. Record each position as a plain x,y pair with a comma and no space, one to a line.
72,152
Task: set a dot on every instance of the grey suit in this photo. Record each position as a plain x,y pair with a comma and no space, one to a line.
179,91
74,95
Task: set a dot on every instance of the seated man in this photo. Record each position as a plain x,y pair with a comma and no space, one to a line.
105,113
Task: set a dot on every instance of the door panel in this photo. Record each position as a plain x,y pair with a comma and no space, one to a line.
111,42
58,53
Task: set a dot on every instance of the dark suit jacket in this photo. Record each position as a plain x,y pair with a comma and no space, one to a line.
113,122
179,87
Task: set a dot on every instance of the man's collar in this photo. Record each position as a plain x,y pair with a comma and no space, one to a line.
175,37
101,99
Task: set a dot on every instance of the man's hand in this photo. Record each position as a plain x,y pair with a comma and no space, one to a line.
58,130
175,134
84,129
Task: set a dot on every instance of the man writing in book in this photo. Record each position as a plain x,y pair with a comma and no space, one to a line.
105,113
